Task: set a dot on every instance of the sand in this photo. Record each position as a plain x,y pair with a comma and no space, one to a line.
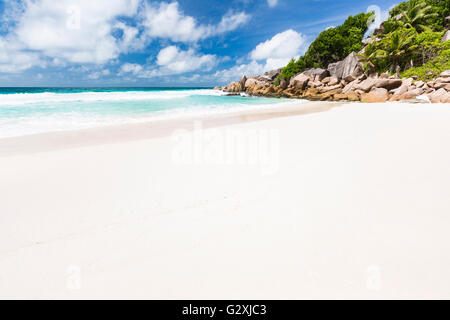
349,203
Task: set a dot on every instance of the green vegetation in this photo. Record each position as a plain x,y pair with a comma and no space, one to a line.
331,45
407,49
410,42
432,68
335,44
293,67
417,13
397,47
369,58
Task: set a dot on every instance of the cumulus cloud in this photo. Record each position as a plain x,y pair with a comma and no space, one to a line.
77,31
65,32
13,59
97,74
165,20
278,50
172,60
130,39
272,3
285,44
230,22
178,61
130,68
268,55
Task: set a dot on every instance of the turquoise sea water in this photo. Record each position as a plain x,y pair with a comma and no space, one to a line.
35,110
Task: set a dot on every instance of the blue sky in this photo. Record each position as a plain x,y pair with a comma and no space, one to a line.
158,43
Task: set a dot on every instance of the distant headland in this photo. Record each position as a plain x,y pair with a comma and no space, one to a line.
406,58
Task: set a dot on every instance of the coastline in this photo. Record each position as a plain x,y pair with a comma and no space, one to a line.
358,208
48,141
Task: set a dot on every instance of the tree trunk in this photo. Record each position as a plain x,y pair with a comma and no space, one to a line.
397,70
393,67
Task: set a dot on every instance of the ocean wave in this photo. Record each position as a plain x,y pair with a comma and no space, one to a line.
20,99
66,121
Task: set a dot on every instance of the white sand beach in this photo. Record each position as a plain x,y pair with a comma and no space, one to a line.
353,202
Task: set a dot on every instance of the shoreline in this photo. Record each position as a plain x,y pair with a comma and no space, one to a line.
64,139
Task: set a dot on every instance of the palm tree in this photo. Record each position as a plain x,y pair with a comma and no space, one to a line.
368,56
396,46
415,13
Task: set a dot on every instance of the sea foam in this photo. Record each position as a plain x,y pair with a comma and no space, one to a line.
31,113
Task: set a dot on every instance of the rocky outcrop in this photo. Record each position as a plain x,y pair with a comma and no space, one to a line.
409,95
440,95
270,75
445,74
388,84
300,81
347,80
350,96
366,85
348,69
317,74
249,82
233,87
283,83
242,83
331,81
319,84
376,95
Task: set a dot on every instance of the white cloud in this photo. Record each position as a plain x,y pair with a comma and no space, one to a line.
170,61
231,21
130,68
57,32
285,44
96,75
272,64
167,21
13,59
67,33
272,3
273,54
280,49
77,31
178,61
130,40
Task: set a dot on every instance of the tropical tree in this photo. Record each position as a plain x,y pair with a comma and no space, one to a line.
415,15
396,47
292,68
368,57
435,21
334,44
